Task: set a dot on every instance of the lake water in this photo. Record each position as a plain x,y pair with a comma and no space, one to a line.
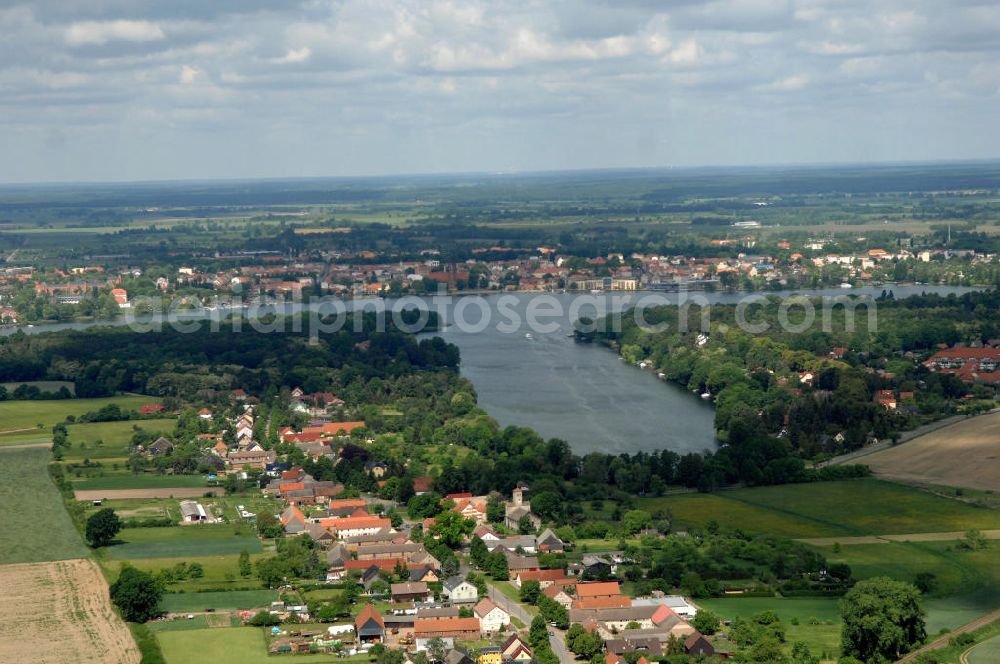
585,394
537,376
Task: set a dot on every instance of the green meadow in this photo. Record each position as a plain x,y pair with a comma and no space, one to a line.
236,599
235,645
104,440
221,573
966,583
818,618
182,541
41,416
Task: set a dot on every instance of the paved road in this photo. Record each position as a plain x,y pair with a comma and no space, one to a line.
559,647
519,612
943,641
509,605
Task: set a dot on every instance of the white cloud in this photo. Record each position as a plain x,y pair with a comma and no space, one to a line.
102,32
294,56
189,74
787,84
687,52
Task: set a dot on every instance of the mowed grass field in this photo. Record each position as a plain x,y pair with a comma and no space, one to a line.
965,454
852,507
236,599
182,541
235,645
36,526
16,415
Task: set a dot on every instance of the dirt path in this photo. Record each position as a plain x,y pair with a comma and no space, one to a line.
942,641
885,539
989,646
115,494
60,613
23,446
4,433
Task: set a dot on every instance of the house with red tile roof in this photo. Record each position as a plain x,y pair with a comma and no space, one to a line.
472,508
515,649
422,485
596,589
369,625
886,399
465,629
558,593
615,602
384,564
357,525
545,577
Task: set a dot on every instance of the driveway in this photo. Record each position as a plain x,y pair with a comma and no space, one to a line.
519,612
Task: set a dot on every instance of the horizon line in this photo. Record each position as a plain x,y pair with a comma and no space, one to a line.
505,172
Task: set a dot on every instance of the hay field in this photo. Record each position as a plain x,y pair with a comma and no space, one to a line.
965,454
60,613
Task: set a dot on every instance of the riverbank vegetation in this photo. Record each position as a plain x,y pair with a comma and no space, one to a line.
791,390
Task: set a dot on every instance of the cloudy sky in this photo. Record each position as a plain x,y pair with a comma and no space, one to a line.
133,89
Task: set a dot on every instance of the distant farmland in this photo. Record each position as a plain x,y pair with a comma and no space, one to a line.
966,454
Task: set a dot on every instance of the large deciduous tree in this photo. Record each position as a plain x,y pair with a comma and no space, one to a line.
136,594
102,526
882,620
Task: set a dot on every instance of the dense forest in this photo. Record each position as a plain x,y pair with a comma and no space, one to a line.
199,362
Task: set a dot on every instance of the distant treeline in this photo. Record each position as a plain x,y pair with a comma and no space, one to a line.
105,361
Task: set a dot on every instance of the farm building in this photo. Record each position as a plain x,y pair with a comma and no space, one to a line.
192,512
415,591
466,629
369,625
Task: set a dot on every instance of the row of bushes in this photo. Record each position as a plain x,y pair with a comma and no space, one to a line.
149,522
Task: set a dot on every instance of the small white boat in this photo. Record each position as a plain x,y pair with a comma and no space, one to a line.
706,395
846,285
527,335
